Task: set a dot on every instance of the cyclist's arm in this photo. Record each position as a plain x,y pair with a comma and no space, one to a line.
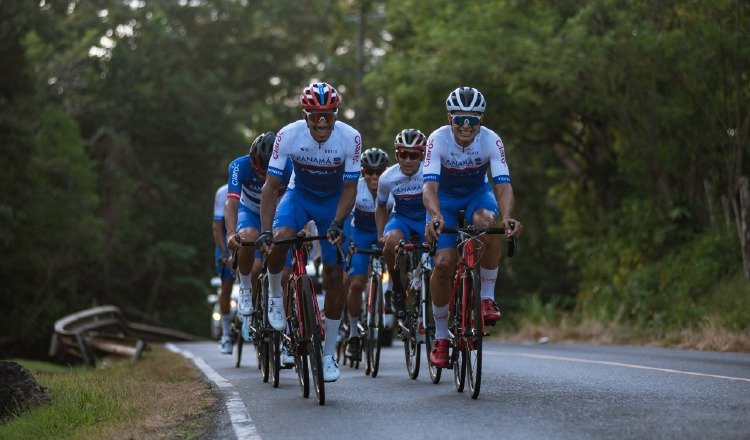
230,218
268,199
346,203
381,217
432,205
218,230
506,202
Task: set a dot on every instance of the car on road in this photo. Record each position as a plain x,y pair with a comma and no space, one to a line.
213,299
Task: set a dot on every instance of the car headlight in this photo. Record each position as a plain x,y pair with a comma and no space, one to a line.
216,316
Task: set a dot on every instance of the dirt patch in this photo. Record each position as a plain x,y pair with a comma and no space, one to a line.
19,390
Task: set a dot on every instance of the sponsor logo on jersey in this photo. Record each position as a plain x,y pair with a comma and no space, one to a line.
276,145
500,147
357,149
428,156
235,173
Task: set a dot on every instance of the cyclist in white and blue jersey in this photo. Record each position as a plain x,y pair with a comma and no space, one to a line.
455,173
325,153
242,212
221,259
403,181
363,234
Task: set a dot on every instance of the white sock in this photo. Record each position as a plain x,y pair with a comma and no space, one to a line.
440,315
274,285
353,321
332,330
226,325
487,278
246,281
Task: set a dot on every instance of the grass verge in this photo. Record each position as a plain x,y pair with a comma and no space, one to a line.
159,396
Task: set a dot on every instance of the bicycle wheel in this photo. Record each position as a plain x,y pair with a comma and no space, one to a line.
274,348
457,353
411,346
303,373
313,340
300,352
429,329
473,348
374,327
239,352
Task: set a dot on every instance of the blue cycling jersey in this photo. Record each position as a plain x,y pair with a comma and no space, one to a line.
246,186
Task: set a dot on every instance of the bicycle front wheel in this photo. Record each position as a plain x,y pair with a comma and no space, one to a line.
411,344
374,326
313,339
475,332
458,360
274,348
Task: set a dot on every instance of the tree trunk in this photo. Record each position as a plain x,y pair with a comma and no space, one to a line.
744,230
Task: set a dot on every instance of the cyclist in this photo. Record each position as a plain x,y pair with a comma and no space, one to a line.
242,212
455,174
403,181
363,234
221,258
325,153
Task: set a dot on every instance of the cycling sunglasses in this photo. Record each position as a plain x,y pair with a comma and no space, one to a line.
329,116
413,155
461,120
377,171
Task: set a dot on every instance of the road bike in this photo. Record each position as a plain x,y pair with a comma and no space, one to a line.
468,328
372,314
263,336
414,261
305,331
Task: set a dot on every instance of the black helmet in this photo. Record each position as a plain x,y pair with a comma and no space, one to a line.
261,149
466,99
410,138
374,158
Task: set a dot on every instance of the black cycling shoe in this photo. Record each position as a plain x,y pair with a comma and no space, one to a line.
352,348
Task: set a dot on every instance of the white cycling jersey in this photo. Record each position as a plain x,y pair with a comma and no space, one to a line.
460,170
406,192
220,199
319,167
364,207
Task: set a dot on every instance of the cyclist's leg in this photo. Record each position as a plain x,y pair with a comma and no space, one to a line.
290,218
225,297
484,213
248,224
394,231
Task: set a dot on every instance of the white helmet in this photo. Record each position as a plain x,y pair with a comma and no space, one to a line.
466,99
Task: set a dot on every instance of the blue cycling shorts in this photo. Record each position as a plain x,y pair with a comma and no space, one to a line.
248,219
295,210
224,272
480,198
362,239
405,225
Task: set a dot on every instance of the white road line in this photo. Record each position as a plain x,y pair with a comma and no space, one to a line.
243,425
614,364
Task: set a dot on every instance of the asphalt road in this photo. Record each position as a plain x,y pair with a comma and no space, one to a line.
548,391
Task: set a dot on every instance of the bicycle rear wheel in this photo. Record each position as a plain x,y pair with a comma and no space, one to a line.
374,327
474,335
429,329
313,339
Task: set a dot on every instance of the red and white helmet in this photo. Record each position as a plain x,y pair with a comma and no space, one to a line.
320,97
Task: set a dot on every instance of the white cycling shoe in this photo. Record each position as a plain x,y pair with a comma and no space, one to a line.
245,307
226,345
276,315
330,369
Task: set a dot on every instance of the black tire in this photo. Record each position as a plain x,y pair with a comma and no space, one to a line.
313,339
303,373
429,331
240,343
457,353
412,349
473,350
265,361
274,346
373,331
301,365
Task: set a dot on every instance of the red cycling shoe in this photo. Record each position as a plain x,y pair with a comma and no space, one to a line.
490,312
439,353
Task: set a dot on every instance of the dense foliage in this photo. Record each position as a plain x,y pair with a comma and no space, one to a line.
626,125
